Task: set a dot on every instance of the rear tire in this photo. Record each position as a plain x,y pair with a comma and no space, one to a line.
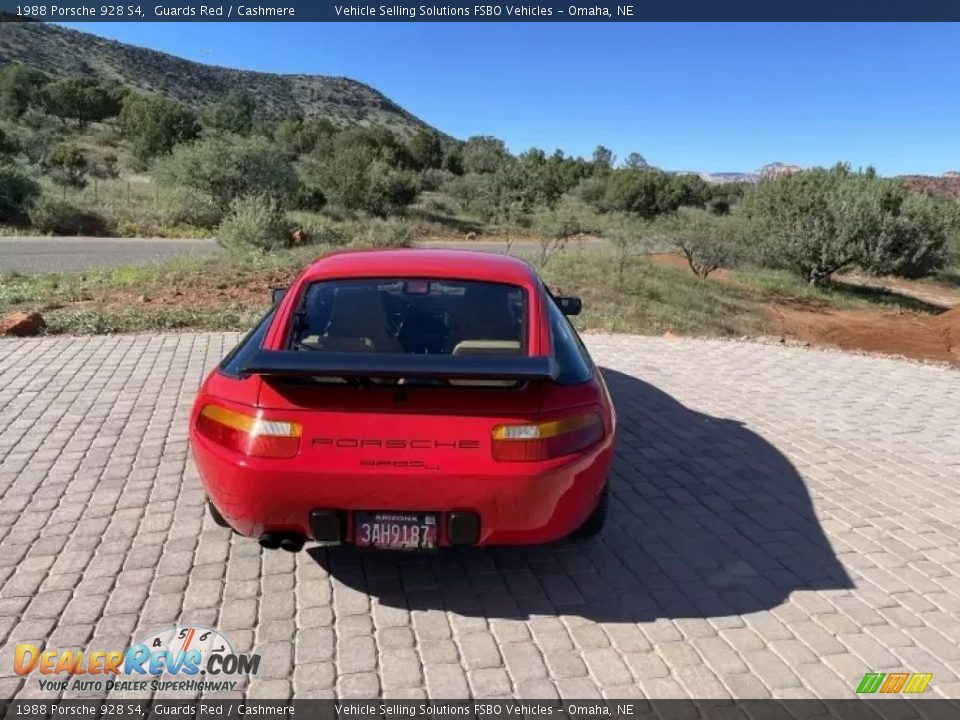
594,523
216,516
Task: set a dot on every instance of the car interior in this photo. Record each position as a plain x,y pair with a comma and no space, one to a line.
411,316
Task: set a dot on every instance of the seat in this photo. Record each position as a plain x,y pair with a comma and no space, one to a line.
484,321
358,318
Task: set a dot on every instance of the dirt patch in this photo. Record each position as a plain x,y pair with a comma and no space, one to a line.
921,337
928,291
253,290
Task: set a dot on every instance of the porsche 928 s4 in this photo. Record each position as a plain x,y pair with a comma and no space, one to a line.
408,399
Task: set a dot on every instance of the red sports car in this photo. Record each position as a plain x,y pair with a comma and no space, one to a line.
408,399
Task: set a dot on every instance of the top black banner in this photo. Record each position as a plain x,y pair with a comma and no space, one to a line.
460,11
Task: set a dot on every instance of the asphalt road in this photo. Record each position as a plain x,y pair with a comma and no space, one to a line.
58,254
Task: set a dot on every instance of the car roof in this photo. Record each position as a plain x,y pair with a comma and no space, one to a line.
428,263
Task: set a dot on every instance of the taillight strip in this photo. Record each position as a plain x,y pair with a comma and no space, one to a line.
251,425
531,442
249,434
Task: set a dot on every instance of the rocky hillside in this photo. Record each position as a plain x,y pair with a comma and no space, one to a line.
776,169
60,51
947,185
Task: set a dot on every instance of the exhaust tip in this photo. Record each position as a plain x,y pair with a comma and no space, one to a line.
270,541
292,543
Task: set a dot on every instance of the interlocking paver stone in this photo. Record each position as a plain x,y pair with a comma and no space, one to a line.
782,520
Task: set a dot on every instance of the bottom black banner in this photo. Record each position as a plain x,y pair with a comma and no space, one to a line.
894,708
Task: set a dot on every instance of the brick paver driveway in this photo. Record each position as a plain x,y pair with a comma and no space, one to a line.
783,521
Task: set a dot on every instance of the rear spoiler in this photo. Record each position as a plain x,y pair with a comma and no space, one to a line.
297,363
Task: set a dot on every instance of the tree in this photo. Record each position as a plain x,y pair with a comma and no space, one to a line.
68,166
8,145
81,99
603,159
234,113
453,159
365,169
298,136
21,87
156,124
635,161
707,242
426,149
818,222
390,191
555,228
484,154
646,193
226,167
692,189
629,237
358,179
17,192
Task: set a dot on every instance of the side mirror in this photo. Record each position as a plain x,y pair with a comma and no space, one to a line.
276,295
569,305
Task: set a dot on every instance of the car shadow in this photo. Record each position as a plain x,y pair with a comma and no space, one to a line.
707,519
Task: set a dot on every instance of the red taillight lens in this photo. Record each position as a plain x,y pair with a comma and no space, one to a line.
546,440
249,434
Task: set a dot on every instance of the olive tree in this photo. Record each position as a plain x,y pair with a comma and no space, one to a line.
819,222
707,241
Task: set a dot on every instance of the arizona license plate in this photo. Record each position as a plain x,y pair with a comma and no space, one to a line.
395,530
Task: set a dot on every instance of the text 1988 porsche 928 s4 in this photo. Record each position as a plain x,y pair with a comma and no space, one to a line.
408,399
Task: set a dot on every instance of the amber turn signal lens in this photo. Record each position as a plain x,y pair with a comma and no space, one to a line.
249,435
531,442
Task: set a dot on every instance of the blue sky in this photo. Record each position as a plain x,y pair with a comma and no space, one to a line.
708,97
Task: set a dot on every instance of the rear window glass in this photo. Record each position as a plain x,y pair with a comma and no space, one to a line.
572,359
251,342
410,315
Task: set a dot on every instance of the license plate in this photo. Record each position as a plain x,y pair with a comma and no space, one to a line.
394,530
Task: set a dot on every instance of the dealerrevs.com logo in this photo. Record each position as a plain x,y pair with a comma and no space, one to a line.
182,658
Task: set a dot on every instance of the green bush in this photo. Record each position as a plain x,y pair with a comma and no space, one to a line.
321,230
67,166
255,221
433,179
392,233
484,154
309,197
227,167
365,169
390,191
646,193
234,112
182,206
16,194
58,217
155,124
8,144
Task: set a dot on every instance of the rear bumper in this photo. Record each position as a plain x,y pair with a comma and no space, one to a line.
523,504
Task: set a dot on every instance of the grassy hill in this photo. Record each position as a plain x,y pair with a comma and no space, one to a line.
64,52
